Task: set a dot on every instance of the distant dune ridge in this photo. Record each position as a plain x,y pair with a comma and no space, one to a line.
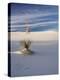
35,36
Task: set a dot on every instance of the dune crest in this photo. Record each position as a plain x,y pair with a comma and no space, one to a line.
35,36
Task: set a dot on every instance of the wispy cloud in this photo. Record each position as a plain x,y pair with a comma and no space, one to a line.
22,18
35,18
36,24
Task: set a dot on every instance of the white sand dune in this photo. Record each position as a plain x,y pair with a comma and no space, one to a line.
35,36
43,61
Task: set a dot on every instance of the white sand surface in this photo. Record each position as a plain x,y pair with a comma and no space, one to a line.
35,36
44,61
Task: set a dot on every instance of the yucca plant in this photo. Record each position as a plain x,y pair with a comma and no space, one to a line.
25,46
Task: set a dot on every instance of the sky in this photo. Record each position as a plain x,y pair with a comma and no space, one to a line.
37,17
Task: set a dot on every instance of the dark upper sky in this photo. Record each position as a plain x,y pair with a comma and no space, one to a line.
37,17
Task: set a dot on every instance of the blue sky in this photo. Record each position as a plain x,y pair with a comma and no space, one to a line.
37,17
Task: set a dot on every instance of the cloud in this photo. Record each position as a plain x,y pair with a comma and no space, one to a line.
22,18
19,22
36,24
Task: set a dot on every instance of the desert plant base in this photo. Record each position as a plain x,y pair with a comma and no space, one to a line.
26,51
